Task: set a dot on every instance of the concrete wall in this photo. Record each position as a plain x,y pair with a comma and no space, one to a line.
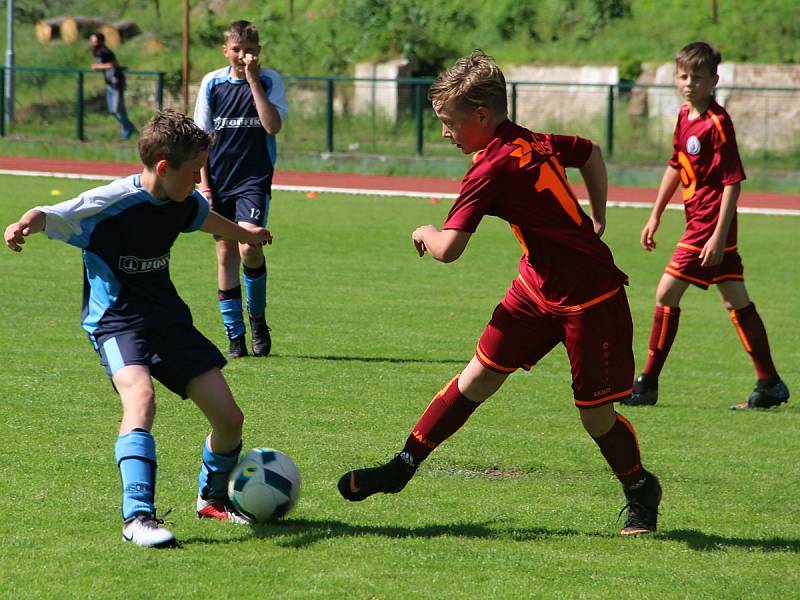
387,97
763,119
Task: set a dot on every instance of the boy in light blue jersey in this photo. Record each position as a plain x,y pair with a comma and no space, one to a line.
135,319
244,105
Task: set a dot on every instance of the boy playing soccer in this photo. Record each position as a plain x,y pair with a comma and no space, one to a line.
705,160
568,290
245,106
135,319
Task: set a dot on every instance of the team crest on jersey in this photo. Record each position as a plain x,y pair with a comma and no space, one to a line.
693,145
134,264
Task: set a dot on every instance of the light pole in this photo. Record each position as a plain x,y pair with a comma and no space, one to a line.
9,99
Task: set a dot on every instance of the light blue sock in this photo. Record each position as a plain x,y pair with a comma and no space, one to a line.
135,453
230,306
213,479
255,288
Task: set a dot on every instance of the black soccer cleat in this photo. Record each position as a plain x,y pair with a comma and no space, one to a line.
645,392
642,504
765,395
237,347
388,479
262,341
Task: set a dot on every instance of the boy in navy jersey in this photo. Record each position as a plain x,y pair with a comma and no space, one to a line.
244,105
569,291
705,159
135,319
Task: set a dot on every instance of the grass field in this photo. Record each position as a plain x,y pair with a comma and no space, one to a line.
518,504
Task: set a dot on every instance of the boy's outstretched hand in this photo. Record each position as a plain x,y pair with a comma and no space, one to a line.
15,235
259,237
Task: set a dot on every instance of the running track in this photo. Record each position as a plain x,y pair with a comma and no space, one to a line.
419,187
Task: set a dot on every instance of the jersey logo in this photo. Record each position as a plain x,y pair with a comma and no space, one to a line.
236,122
524,148
693,145
133,264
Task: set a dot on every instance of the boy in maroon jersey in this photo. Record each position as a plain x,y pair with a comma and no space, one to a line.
568,290
706,161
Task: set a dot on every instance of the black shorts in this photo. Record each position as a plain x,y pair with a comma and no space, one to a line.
248,206
175,355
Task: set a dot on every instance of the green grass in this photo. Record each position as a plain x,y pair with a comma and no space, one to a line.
365,333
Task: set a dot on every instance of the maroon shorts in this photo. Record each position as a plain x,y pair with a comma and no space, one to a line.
685,264
598,342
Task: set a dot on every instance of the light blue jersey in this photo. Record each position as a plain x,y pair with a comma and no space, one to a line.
126,235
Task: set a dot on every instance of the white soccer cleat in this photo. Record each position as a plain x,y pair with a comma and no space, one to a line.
146,530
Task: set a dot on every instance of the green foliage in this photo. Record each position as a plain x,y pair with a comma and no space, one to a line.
517,504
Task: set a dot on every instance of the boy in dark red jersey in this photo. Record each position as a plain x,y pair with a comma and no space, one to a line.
568,291
706,161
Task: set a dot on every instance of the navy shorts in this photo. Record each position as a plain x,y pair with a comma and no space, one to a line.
175,355
248,206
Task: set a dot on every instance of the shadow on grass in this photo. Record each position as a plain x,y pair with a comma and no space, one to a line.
697,540
377,359
300,533
304,532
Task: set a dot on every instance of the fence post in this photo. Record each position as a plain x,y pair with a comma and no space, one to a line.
610,123
2,95
419,93
160,91
514,101
79,107
329,118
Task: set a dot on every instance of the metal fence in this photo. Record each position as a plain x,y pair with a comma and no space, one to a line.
392,117
58,102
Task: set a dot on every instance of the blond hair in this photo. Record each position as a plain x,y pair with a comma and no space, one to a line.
473,81
173,137
241,31
698,55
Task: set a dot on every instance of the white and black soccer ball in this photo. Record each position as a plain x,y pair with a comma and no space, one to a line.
264,485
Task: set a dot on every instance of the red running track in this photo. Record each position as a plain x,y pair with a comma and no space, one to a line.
427,185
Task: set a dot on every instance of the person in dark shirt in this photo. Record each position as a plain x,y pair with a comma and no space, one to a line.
105,61
568,291
244,105
135,319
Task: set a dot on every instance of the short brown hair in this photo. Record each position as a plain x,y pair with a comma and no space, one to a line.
473,81
173,137
699,55
241,31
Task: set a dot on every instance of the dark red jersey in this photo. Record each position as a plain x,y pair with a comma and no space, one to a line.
520,178
705,153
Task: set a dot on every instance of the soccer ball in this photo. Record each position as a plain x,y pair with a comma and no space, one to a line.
264,485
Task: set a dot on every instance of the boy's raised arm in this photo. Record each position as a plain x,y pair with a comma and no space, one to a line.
31,222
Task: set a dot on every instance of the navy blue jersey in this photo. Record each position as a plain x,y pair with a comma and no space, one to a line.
243,155
126,235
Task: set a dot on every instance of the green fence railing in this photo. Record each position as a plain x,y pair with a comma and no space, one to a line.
40,74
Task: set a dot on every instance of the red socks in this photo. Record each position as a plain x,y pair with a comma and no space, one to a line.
751,331
445,415
665,326
620,448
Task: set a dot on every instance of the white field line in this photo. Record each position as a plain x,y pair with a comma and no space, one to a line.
393,193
